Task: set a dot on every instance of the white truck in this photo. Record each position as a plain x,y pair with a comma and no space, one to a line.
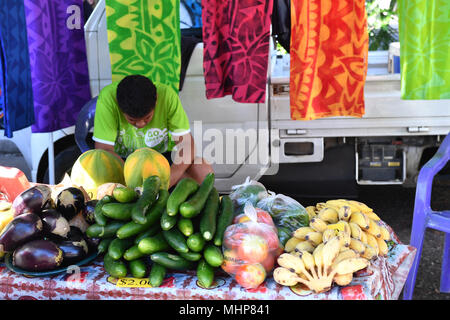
329,156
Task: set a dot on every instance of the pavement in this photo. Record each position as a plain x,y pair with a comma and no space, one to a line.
394,205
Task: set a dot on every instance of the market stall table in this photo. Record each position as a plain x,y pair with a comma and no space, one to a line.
382,280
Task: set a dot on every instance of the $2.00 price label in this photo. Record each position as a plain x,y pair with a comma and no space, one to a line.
133,283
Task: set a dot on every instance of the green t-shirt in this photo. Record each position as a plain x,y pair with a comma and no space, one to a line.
111,127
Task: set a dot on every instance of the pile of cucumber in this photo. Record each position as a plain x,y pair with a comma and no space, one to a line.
148,234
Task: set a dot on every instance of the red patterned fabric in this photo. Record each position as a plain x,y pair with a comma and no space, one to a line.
236,36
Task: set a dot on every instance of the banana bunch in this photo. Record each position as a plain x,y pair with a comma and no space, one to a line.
317,270
359,226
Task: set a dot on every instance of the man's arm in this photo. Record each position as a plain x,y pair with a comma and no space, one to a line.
184,157
107,147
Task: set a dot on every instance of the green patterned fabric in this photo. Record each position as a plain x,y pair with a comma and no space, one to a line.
424,29
144,38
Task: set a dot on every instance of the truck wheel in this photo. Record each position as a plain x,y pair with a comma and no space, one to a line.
64,161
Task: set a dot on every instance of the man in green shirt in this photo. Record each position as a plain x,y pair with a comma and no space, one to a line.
136,113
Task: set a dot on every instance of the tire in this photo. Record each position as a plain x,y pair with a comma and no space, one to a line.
64,161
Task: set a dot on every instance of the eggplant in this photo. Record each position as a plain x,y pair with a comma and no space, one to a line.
75,247
70,202
38,255
21,229
79,222
89,211
55,223
32,200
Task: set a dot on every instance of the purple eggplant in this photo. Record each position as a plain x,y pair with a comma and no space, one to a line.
75,247
70,202
32,200
55,223
38,255
21,229
89,211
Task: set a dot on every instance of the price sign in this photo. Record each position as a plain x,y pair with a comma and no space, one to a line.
133,283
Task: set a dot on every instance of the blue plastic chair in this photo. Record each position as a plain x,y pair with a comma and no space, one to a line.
85,122
424,217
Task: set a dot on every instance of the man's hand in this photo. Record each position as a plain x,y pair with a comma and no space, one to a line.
108,148
183,157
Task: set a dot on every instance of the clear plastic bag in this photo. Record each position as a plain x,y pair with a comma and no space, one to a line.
250,191
251,247
288,214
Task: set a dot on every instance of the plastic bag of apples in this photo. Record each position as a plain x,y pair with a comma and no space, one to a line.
251,247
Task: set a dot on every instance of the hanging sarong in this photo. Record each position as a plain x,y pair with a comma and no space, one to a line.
424,34
16,95
236,36
59,68
329,49
144,38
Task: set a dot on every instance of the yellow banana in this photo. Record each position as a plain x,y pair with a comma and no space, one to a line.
357,245
304,245
285,277
369,252
344,213
355,230
362,207
330,251
317,255
385,235
372,215
328,234
360,219
372,241
346,254
291,262
291,243
308,259
351,265
382,247
340,226
374,229
320,206
314,237
311,210
346,238
328,214
301,232
363,237
343,279
318,224
337,202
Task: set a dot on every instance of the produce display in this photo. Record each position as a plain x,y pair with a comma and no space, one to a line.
46,233
146,234
96,167
343,236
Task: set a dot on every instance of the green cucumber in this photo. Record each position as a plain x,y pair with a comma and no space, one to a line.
184,188
138,268
103,245
152,231
172,261
150,190
118,211
176,240
224,219
99,217
153,244
191,256
168,222
194,205
213,255
108,231
205,273
208,221
157,274
185,226
154,214
124,194
133,253
196,242
117,247
116,268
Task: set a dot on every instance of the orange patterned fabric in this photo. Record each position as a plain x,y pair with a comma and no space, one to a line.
329,49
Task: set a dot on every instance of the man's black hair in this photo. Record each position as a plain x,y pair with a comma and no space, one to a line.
136,96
